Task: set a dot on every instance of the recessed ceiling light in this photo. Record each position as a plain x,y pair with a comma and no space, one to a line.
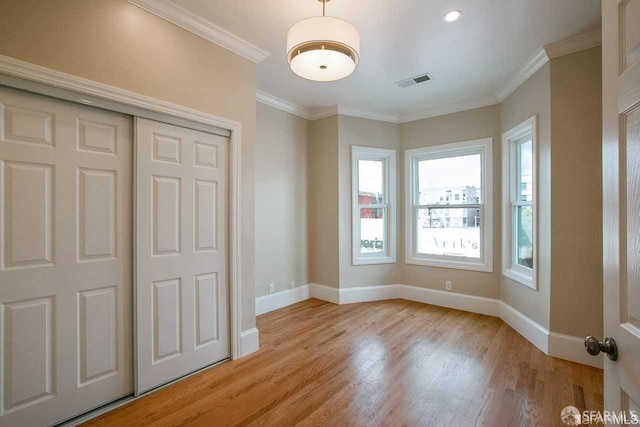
452,15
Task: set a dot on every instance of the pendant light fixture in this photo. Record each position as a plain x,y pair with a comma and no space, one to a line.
323,48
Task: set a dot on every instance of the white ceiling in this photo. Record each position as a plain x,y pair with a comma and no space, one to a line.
468,59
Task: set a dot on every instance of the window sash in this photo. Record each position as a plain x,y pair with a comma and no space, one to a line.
515,180
387,158
417,207
515,237
385,173
469,206
385,221
385,232
513,141
413,158
415,167
518,166
447,257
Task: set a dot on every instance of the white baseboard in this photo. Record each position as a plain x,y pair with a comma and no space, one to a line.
571,348
472,303
464,302
531,330
366,293
324,293
281,299
562,346
249,342
551,343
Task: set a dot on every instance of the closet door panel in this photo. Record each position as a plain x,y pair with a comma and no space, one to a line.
65,258
181,236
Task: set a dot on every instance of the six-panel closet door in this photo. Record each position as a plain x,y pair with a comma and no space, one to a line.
182,295
66,238
65,258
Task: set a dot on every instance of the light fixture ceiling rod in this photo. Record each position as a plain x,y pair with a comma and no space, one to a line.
324,6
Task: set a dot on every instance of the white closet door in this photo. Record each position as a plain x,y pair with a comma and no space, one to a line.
182,294
65,259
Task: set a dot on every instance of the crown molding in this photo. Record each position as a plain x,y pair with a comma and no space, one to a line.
371,115
352,112
522,75
321,113
334,110
281,104
199,26
449,109
295,109
574,44
553,50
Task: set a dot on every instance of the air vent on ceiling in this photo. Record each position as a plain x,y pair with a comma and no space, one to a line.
414,80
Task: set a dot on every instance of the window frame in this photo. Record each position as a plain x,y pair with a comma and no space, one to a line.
510,182
484,147
388,157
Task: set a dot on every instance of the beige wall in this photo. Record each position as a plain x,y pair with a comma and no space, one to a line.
368,133
463,126
281,199
467,125
533,97
332,139
565,97
113,42
323,188
576,193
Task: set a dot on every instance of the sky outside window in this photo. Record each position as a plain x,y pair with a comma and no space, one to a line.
370,176
450,172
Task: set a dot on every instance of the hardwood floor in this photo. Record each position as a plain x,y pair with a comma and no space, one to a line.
387,363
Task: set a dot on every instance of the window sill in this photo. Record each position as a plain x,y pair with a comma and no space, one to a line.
450,264
374,261
523,279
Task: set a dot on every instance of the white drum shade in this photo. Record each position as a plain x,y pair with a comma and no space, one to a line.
323,48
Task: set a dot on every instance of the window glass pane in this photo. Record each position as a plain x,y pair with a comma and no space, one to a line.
525,170
450,180
449,232
524,233
372,235
370,182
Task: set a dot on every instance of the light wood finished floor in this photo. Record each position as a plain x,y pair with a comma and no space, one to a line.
388,363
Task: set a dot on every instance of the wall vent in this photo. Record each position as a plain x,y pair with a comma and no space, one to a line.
414,80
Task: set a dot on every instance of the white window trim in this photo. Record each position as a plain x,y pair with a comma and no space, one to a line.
388,156
510,269
485,147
